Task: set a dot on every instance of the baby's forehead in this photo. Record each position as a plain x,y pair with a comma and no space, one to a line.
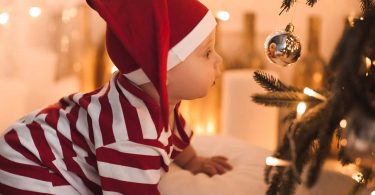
208,41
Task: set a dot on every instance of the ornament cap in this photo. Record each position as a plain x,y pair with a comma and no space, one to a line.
289,28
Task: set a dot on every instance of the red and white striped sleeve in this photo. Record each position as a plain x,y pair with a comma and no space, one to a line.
182,134
130,168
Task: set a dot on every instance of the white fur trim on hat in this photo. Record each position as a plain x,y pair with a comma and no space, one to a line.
182,49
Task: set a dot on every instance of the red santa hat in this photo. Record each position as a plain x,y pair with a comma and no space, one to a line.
146,38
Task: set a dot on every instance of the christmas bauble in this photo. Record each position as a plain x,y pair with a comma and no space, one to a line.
360,133
282,47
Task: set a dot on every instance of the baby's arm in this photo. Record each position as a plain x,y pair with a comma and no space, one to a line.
189,160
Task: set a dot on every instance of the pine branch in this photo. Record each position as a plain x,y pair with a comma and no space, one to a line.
283,99
267,173
318,160
343,158
291,116
367,4
270,83
287,4
274,186
288,184
339,136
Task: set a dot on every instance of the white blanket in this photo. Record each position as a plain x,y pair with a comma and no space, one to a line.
247,176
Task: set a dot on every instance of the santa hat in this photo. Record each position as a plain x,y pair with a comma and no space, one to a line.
146,38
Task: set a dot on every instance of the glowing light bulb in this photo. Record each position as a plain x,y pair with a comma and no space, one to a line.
344,142
314,94
223,15
35,12
343,123
301,108
4,18
272,161
373,192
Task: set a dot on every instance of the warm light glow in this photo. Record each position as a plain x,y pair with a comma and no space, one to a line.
343,123
373,193
272,161
358,177
69,14
223,15
314,94
210,128
301,108
35,12
198,130
361,18
317,77
368,62
64,43
343,142
4,18
114,69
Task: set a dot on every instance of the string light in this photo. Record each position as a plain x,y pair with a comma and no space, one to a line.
272,161
343,142
343,123
223,15
314,94
35,12
301,108
4,18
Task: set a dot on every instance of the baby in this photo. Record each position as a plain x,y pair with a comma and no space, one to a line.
121,138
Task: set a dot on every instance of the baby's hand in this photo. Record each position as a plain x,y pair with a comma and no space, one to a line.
210,166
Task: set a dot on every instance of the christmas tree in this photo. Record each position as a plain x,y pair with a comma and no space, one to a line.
343,109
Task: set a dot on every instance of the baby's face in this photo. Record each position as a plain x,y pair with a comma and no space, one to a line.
193,77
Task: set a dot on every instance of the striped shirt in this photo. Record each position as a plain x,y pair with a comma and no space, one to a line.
109,141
